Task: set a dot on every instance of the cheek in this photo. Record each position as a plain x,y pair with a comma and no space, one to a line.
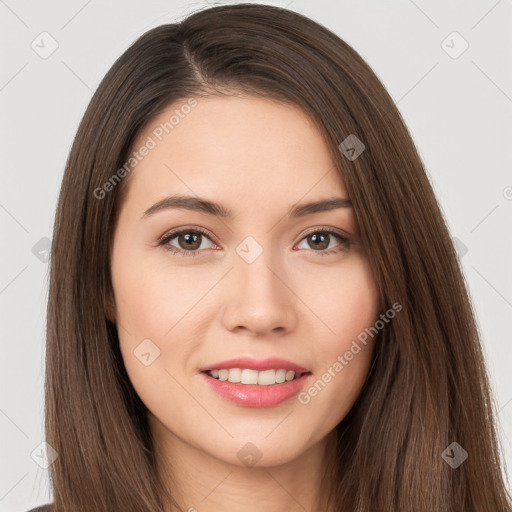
144,318
347,303
152,301
149,299
350,309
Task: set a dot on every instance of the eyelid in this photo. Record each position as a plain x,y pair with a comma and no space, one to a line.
177,230
344,238
210,235
341,232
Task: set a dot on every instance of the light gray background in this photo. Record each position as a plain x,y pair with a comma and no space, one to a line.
457,109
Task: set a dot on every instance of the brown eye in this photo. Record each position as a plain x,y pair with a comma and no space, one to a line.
320,240
189,242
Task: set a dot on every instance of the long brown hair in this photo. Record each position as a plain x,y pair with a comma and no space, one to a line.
428,386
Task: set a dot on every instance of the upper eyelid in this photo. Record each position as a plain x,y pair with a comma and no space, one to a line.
205,232
338,231
173,232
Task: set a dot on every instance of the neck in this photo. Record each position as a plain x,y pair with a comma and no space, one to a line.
200,482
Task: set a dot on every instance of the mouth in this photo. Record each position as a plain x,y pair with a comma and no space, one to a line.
256,383
249,376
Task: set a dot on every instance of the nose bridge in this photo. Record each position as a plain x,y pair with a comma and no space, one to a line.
258,269
258,299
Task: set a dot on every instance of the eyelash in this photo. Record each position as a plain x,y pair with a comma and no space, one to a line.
164,241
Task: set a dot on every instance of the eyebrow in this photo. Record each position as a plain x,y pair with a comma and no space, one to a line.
203,205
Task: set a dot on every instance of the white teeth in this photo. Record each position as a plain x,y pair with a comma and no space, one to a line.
267,377
235,375
247,376
280,376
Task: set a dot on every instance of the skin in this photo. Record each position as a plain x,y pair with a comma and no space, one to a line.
257,157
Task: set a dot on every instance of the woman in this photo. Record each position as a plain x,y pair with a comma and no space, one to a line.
255,302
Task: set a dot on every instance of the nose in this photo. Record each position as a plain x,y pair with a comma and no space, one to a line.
259,299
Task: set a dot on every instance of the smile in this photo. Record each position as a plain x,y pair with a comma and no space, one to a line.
248,382
248,376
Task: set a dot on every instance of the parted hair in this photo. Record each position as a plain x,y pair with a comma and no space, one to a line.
428,386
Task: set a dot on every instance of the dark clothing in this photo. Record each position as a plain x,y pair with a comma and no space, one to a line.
42,508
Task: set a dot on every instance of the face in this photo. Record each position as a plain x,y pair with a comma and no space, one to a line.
282,292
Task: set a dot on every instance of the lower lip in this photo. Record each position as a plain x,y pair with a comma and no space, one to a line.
253,395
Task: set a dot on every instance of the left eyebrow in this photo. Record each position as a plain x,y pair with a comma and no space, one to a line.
203,205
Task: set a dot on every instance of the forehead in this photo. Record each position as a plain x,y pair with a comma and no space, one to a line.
256,150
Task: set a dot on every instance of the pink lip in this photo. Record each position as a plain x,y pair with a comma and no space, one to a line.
252,395
271,363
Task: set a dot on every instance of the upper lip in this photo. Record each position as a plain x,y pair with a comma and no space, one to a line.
271,363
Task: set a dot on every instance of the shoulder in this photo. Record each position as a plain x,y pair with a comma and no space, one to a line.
43,508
